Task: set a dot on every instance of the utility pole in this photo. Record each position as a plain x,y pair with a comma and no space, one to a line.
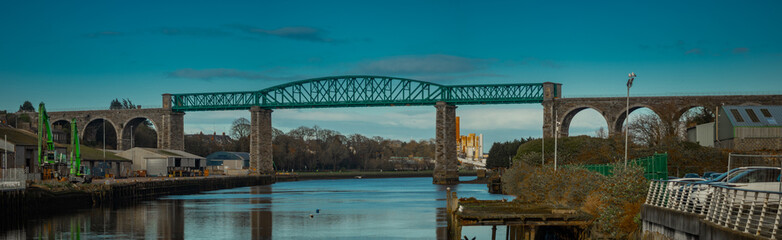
631,76
556,135
5,155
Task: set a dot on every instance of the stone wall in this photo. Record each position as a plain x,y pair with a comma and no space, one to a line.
261,140
168,124
446,165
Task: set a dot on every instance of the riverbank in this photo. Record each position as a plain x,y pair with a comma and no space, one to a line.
54,197
298,176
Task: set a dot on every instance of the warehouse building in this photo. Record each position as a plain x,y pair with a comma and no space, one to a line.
162,162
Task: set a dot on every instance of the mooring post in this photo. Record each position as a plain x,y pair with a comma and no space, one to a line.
493,232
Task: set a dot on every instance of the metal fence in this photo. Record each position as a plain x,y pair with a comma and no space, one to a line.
749,211
13,179
655,166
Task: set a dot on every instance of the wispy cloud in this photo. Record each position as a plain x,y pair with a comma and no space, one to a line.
217,73
103,34
191,31
303,33
697,48
740,50
696,51
422,64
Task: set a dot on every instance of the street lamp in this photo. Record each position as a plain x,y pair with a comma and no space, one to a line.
556,135
630,77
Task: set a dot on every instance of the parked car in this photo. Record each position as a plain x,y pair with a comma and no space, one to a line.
709,175
691,175
755,178
750,178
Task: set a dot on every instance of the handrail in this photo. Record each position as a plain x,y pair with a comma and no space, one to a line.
754,212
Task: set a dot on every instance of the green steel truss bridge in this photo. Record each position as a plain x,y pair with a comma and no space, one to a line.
358,91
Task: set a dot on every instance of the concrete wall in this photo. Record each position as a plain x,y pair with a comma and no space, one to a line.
705,134
671,224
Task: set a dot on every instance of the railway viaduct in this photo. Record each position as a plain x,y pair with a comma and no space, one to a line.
367,91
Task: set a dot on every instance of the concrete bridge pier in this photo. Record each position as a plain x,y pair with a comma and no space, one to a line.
446,169
261,141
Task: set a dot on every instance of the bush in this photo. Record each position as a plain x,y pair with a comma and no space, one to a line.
614,201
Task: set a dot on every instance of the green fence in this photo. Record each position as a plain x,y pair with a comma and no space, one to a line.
655,166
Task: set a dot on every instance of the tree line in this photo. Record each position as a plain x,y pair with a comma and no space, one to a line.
318,149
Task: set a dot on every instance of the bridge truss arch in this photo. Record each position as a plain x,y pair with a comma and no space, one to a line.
358,91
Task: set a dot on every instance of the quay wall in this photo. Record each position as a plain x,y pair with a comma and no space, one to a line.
37,201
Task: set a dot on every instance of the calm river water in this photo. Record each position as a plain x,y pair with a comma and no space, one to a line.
389,208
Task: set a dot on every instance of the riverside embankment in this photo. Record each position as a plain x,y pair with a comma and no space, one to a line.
51,198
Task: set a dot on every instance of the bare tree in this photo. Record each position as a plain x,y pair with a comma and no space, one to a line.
240,128
601,133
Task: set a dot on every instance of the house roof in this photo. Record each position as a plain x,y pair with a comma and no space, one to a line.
754,116
167,152
10,146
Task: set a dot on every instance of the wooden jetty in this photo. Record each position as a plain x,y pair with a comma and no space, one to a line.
522,220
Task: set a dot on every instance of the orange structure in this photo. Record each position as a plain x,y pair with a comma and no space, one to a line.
469,146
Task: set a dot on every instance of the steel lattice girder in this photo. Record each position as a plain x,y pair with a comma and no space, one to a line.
358,91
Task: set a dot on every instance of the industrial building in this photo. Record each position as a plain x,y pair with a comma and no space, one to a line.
162,162
24,145
469,146
749,128
230,163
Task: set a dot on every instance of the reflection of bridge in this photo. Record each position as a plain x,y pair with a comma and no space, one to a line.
367,91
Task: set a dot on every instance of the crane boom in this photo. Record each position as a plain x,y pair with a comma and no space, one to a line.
45,155
75,150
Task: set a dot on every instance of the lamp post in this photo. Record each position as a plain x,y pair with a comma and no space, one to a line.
630,77
555,144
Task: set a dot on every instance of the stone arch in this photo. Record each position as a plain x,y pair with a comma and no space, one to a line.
568,116
686,108
90,130
618,124
63,125
132,124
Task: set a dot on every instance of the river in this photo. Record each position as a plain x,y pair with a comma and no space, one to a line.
385,208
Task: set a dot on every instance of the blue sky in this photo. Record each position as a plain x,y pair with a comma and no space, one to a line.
81,55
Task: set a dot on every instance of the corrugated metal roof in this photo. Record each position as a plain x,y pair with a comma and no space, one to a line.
222,155
754,116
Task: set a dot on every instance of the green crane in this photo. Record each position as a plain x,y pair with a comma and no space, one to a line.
78,174
75,150
46,153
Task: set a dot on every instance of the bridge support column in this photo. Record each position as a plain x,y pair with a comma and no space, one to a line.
261,140
446,169
172,132
551,91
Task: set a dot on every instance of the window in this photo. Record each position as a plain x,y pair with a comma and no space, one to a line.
765,112
752,115
736,115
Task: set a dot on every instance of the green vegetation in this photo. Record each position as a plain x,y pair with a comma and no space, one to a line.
27,106
614,201
500,154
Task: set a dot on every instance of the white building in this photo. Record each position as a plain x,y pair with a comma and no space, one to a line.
161,162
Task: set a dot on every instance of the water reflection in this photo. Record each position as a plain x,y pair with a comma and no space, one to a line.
410,208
